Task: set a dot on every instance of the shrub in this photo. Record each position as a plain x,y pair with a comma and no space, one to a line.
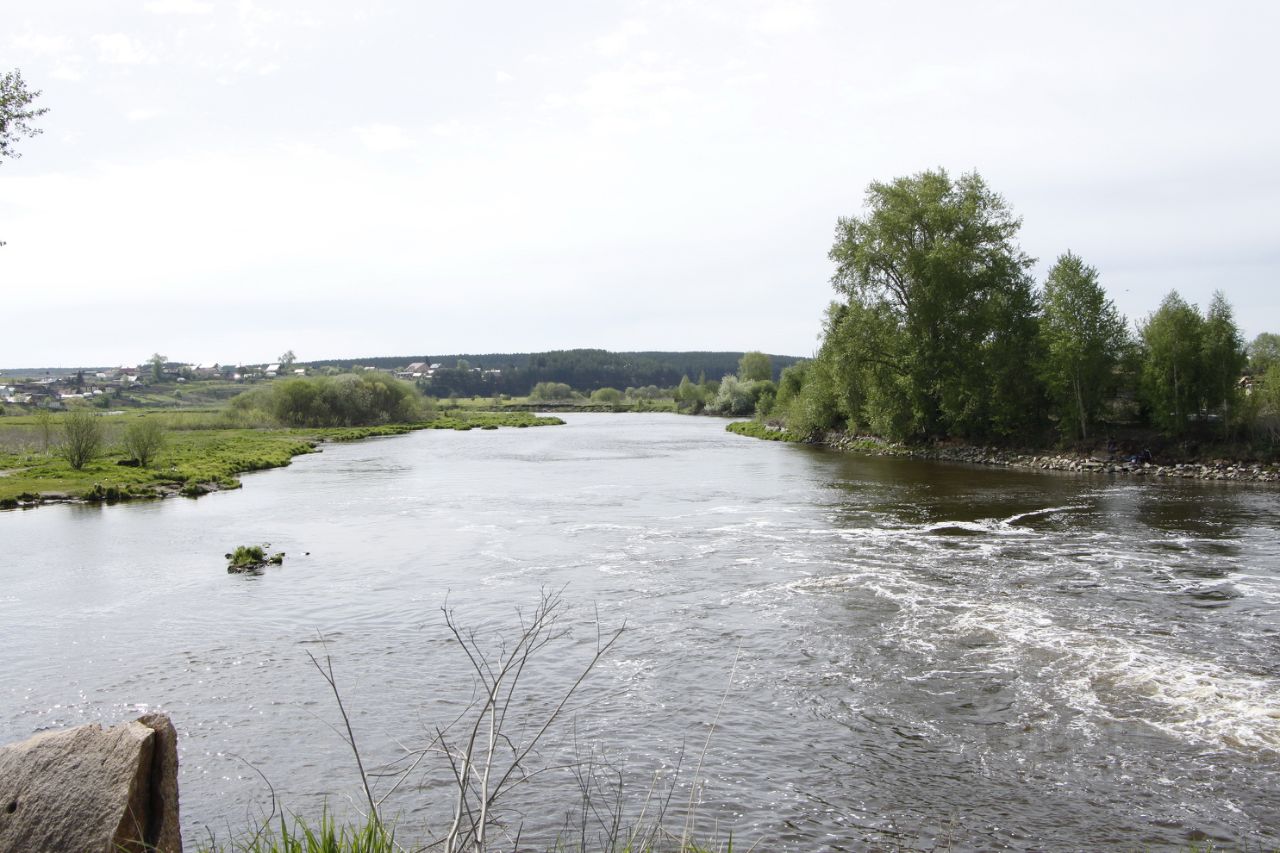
44,426
81,438
246,555
551,391
606,395
366,399
735,397
143,440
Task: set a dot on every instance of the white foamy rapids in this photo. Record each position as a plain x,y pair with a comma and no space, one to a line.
1103,677
1123,679
1036,513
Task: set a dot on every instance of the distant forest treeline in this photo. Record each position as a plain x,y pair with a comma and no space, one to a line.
585,370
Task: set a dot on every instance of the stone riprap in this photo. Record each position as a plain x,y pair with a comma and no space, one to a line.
1214,470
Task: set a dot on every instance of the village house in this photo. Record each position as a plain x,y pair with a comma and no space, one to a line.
414,371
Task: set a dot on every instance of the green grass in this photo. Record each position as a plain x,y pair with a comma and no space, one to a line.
297,835
247,555
203,451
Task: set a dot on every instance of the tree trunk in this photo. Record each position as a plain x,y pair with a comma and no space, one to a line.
1084,429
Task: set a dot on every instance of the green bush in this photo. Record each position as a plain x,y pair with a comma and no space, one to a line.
81,438
143,440
611,396
551,391
738,398
365,399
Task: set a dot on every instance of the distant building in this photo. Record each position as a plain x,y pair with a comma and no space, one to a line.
414,371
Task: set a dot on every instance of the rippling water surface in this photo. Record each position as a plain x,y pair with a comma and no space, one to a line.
890,651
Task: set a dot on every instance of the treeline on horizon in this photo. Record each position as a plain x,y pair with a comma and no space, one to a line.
941,333
584,370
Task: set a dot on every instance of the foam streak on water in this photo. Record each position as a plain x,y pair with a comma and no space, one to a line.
994,659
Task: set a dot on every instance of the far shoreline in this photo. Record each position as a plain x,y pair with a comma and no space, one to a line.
1204,469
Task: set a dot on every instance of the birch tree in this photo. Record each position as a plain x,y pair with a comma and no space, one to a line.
1084,338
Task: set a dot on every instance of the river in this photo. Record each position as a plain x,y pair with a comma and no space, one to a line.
821,651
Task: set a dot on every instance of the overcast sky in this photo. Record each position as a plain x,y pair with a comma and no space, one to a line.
222,181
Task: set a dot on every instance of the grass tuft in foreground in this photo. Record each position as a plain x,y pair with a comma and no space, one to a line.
298,836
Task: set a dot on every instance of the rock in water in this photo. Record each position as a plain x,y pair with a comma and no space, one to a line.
93,789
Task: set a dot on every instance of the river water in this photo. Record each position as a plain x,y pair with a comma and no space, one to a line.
821,651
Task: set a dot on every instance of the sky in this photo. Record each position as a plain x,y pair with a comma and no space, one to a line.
224,181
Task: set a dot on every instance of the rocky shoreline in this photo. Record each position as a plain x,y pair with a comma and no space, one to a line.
112,494
1216,469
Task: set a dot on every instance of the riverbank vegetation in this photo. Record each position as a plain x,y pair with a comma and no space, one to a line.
87,455
940,334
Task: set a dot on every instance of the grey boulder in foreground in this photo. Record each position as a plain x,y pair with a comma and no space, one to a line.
93,789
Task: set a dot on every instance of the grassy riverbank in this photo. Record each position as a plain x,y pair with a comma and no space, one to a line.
577,404
203,451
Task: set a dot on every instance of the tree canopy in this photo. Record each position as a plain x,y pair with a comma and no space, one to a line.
1264,352
755,366
939,333
939,324
1171,374
16,112
1084,339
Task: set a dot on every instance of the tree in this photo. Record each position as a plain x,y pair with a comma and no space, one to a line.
934,267
755,366
143,440
16,112
1084,338
81,438
1264,353
689,396
44,428
551,391
735,397
287,358
1223,360
1170,381
157,362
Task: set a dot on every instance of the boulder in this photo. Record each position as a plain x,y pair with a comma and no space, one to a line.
93,789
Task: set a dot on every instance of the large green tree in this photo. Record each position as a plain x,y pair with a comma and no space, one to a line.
16,112
939,326
1084,338
1171,381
